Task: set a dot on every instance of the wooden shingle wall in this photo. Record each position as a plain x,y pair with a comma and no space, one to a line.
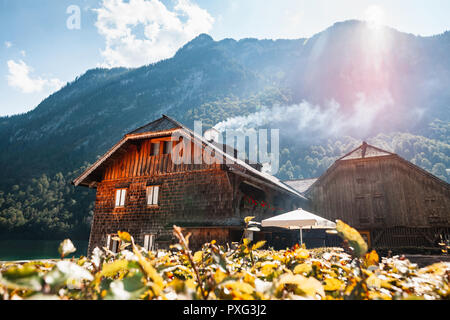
205,196
382,193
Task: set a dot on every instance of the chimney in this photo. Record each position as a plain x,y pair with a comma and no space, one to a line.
364,148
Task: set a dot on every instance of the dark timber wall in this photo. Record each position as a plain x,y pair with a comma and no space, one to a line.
207,200
395,201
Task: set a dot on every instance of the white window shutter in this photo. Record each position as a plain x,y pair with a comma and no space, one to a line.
146,241
151,242
155,194
149,195
122,198
117,197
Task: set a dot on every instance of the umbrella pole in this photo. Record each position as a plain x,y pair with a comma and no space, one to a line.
301,236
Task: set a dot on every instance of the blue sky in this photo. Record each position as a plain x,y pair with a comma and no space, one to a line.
42,47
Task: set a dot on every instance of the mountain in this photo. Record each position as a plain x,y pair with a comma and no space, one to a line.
361,81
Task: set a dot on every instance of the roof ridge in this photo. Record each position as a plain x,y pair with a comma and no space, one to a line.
363,148
163,116
300,179
173,121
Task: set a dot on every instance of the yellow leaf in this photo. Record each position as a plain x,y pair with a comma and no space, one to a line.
304,286
268,267
258,245
198,256
239,286
353,237
149,270
219,275
374,282
248,219
301,253
113,268
124,236
332,284
182,285
438,269
371,258
302,268
249,278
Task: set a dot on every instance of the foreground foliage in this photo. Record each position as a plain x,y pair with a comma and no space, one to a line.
215,272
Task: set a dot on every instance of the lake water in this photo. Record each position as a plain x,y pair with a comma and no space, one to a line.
36,249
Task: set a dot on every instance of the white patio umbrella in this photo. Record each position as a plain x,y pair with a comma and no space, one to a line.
298,219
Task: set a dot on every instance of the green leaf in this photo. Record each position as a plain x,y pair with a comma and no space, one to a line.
19,277
220,260
66,272
130,288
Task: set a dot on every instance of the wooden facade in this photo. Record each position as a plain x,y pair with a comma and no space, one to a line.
209,198
392,201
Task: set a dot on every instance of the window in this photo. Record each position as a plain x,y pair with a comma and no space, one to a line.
432,209
154,149
149,242
378,208
152,195
361,209
167,147
111,243
120,197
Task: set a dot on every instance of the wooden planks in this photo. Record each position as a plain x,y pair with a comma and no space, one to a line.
135,160
382,192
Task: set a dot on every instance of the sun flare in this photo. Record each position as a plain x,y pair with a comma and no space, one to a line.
375,16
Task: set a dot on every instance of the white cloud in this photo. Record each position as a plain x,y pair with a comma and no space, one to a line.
19,78
140,32
8,44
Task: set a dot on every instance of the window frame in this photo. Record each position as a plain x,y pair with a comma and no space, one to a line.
120,197
150,190
150,245
110,242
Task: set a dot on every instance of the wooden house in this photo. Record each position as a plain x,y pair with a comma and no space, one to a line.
146,183
391,201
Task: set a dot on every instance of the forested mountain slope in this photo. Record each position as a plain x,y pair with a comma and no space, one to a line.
326,94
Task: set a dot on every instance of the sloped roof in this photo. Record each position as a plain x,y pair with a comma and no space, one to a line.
161,124
365,151
236,164
301,185
167,125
